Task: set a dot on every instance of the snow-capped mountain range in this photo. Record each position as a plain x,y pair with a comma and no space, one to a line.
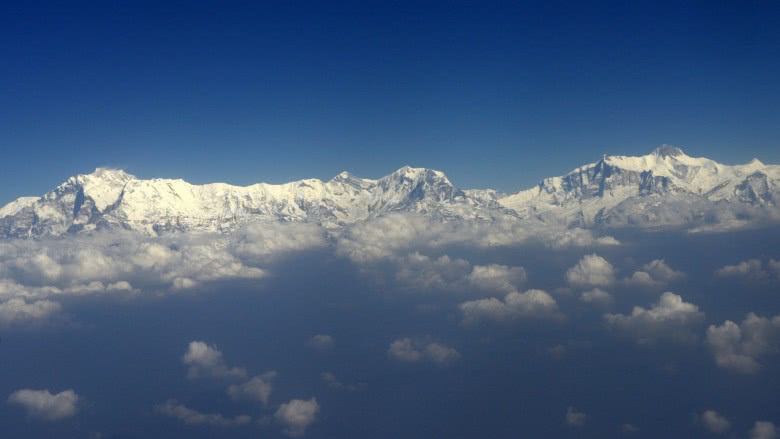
663,188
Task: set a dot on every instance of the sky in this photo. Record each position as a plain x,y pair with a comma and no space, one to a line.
613,305
496,94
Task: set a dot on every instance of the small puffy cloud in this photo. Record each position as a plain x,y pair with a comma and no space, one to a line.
629,429
412,351
574,418
321,342
764,430
496,277
530,304
17,310
714,423
670,319
662,272
655,273
174,409
591,270
256,389
420,272
737,348
206,360
558,351
440,354
774,267
404,350
331,381
751,270
296,415
44,405
596,296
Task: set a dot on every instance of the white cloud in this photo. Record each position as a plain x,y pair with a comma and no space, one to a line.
259,242
714,422
331,381
591,270
654,273
412,351
670,319
18,311
774,267
764,430
394,234
497,277
256,389
629,428
43,405
174,409
206,360
530,304
751,269
738,347
574,418
420,272
296,415
115,262
662,272
321,342
596,296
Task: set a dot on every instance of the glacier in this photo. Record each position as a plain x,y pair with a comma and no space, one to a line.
665,188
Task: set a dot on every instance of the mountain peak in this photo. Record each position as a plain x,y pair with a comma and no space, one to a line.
412,171
668,151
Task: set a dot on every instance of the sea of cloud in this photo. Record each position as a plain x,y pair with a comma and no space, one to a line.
332,322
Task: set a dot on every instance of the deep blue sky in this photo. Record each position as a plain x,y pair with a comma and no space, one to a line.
495,94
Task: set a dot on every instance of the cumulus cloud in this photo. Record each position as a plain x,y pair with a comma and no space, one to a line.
670,319
259,242
17,310
117,262
596,296
331,381
321,342
174,409
420,272
497,277
530,304
412,351
386,236
256,389
591,270
206,360
655,273
123,261
751,269
629,428
737,348
714,422
764,430
296,415
44,405
574,418
774,267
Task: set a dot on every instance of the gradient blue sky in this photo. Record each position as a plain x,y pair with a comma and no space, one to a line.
496,94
